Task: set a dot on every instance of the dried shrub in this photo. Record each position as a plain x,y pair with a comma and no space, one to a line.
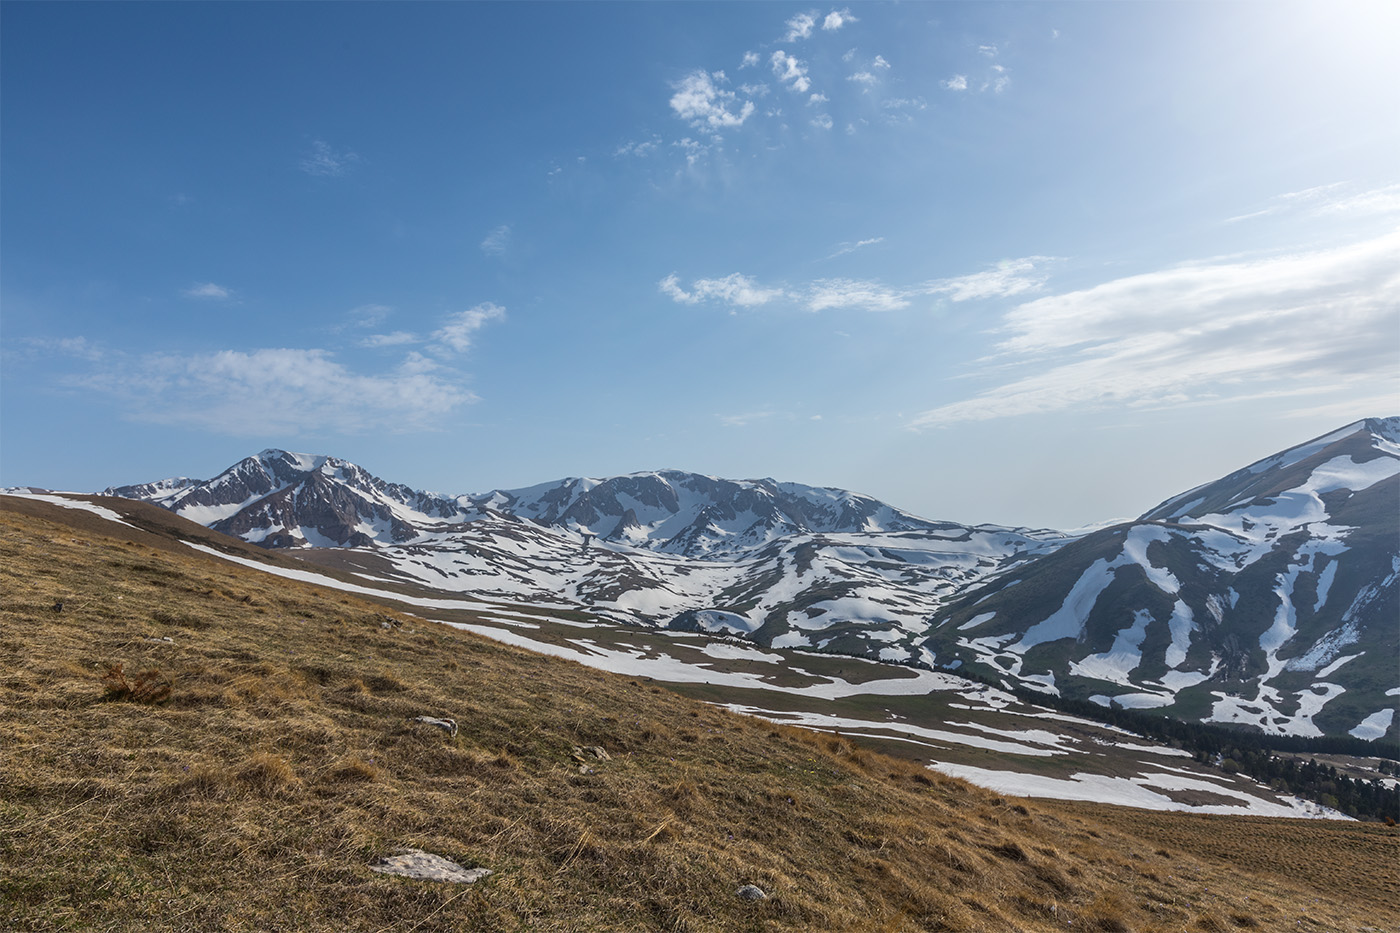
146,687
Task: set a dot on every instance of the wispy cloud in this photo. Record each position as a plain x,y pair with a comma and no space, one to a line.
750,60
791,71
457,333
736,289
1282,325
75,347
369,315
744,419
497,241
1007,278
999,80
208,291
1330,199
955,83
826,294
398,338
327,162
703,103
275,391
822,121
639,149
844,248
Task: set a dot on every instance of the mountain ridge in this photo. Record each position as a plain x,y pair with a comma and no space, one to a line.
1238,601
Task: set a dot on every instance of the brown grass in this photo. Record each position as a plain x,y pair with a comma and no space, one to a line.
285,758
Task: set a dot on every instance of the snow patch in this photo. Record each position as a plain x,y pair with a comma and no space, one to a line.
1374,726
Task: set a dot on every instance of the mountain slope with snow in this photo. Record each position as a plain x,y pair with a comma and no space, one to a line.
781,563
1266,599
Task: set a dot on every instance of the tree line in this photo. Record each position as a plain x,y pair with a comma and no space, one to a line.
1253,753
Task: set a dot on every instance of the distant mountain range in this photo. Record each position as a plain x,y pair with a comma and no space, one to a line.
1267,599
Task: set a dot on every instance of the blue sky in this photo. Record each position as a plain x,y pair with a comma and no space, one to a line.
1041,264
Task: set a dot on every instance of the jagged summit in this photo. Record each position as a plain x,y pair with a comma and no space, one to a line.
280,498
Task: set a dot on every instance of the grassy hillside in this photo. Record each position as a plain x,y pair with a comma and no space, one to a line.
256,750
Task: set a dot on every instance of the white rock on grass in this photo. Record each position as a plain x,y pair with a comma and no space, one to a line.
415,863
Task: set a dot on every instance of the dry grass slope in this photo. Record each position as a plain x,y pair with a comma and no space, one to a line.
263,751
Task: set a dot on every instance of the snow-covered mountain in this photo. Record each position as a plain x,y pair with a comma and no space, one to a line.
780,563
281,499
1268,598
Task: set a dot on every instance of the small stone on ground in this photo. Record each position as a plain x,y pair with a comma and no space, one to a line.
415,863
751,892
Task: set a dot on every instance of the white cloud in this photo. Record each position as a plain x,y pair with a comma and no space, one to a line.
825,294
955,83
800,27
736,290
275,391
397,339
457,333
791,71
1296,324
701,102
817,99
863,77
822,121
838,18
988,50
671,287
208,290
496,241
879,62
845,248
326,162
1009,277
